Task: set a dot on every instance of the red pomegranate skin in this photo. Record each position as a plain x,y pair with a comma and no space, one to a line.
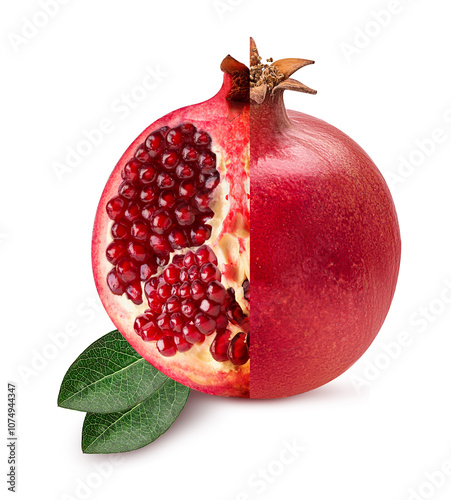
325,251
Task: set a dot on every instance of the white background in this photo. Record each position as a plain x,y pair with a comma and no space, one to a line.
377,432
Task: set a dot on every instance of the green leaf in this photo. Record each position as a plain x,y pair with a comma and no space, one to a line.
137,427
109,376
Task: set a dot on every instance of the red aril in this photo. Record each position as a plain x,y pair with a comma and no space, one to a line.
171,246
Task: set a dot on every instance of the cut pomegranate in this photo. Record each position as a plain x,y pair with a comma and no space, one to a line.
171,246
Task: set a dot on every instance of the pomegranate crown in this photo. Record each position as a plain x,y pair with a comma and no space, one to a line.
263,79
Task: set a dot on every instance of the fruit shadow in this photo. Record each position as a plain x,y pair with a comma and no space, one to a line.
206,406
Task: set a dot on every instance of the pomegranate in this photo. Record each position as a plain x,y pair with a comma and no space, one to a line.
171,244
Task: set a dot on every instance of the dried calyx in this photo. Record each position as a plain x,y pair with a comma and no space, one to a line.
274,76
262,79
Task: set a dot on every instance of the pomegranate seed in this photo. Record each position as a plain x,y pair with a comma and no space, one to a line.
146,327
147,270
164,291
238,351
205,254
115,208
147,174
221,322
220,346
173,305
166,346
151,286
150,331
114,283
175,289
202,201
154,143
174,137
184,291
181,344
200,234
154,302
137,251
134,292
187,189
201,178
193,273
202,139
189,259
177,322
139,230
245,325
209,307
235,314
142,319
206,216
159,244
127,270
184,214
204,324
171,274
165,180
188,129
247,290
177,260
216,292
142,154
178,239
184,275
119,231
197,290
189,308
184,171
191,334
148,212
163,322
169,160
148,194
209,272
190,153
131,171
230,297
161,222
212,181
132,212
167,199
207,162
115,251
